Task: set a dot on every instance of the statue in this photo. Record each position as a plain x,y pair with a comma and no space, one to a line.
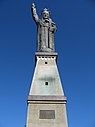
45,28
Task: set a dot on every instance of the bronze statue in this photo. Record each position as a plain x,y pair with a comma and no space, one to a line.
45,28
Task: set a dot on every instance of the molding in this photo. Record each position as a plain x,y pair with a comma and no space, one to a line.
46,54
46,99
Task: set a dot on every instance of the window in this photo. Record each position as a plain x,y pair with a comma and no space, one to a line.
45,62
46,83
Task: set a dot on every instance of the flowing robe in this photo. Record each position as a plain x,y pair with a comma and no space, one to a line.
45,33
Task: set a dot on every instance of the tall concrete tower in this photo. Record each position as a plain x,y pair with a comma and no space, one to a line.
46,100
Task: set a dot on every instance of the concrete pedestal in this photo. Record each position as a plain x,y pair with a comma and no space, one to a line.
46,111
46,100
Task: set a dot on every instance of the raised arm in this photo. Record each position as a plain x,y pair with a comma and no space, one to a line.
34,13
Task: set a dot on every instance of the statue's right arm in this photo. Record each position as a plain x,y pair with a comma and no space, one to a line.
34,13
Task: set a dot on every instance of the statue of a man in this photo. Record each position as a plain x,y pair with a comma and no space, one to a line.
45,28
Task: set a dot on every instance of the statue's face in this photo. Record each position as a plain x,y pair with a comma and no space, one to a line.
45,15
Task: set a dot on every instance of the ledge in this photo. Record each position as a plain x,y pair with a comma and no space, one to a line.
46,54
46,98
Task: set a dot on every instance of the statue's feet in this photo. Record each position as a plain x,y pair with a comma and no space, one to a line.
46,50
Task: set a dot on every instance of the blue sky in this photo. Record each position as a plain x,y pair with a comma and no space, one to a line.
75,44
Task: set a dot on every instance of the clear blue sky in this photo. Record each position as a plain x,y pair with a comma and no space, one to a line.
75,44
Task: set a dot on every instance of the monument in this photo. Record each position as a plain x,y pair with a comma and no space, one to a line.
46,100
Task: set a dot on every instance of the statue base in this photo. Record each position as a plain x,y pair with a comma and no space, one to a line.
46,54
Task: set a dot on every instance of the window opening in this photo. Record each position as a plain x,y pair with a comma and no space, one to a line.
46,83
45,62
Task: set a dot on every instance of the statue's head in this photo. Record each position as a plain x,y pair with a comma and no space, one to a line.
45,14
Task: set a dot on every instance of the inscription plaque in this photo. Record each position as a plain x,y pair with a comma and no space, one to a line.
47,114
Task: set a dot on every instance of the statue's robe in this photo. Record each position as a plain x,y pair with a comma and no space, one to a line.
45,36
45,33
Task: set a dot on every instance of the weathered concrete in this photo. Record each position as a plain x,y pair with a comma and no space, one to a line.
34,120
46,71
48,98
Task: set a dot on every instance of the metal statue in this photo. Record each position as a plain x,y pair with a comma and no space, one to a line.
46,29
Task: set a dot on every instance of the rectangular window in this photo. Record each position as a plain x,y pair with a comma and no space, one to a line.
46,83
